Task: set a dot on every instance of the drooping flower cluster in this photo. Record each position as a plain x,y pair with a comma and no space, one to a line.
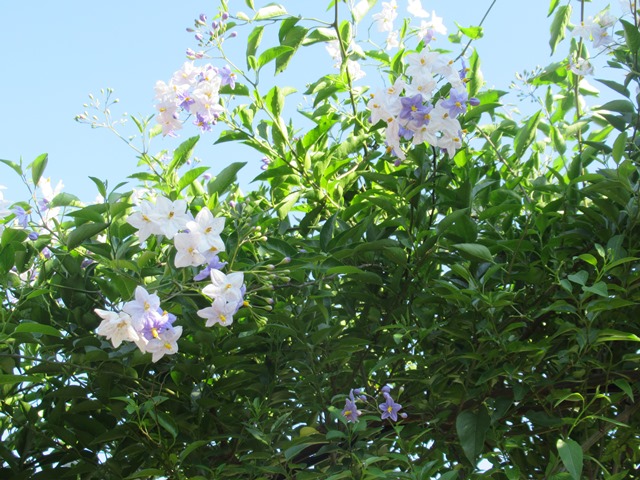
389,408
195,91
410,112
142,321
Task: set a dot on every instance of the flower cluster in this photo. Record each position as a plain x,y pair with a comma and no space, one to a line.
141,321
385,18
410,112
197,241
598,30
194,90
389,408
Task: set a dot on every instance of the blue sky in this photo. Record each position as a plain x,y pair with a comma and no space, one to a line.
54,55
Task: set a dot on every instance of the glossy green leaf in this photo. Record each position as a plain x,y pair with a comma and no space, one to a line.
559,25
472,427
225,178
571,454
38,166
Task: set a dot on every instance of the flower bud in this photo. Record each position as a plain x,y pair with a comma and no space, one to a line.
233,35
225,15
33,236
286,259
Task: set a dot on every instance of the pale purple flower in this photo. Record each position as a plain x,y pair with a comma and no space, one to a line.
410,105
350,410
214,264
389,408
154,323
22,216
227,76
33,236
456,103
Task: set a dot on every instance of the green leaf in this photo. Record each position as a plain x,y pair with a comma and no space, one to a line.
631,35
293,38
33,327
559,26
189,177
286,204
475,250
619,106
599,288
253,42
271,54
84,232
225,178
610,335
16,168
472,428
526,135
320,35
571,456
625,387
100,185
38,166
8,379
619,147
270,11
476,79
145,473
580,277
473,32
552,6
64,199
182,153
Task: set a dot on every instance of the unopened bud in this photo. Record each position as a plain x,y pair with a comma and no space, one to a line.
233,35
286,259
270,267
225,15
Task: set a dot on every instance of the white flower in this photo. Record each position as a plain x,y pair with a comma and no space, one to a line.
144,303
144,221
165,344
209,229
228,287
220,312
415,9
392,40
188,254
4,211
581,66
385,19
436,24
171,216
116,327
186,76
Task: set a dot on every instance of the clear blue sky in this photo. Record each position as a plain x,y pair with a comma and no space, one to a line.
55,53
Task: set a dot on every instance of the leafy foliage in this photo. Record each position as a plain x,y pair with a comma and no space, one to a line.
495,287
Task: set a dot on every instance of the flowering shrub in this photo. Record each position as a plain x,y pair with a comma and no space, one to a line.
413,235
